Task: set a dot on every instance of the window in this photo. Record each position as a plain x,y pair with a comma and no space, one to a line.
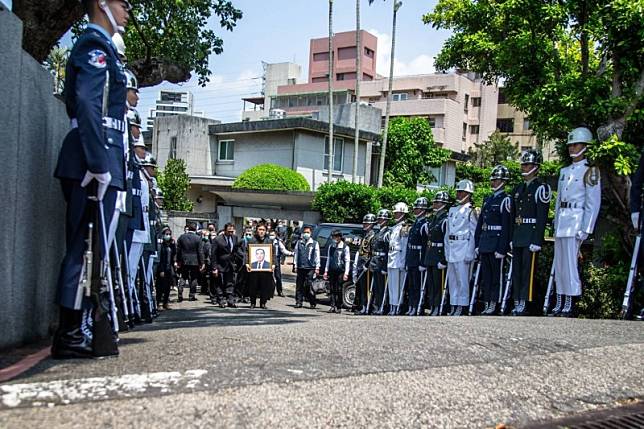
466,103
368,52
502,99
340,76
474,129
347,53
464,130
526,124
226,150
173,148
401,96
476,101
431,120
338,153
321,56
505,125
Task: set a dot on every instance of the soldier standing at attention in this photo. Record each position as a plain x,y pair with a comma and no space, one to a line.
92,151
493,232
414,260
435,254
529,206
576,211
459,246
361,274
396,262
378,263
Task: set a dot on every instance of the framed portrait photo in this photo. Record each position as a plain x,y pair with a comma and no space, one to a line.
260,257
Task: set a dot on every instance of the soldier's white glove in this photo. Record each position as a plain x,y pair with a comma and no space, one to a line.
422,269
582,236
635,218
441,266
476,252
383,273
498,255
534,248
510,245
103,180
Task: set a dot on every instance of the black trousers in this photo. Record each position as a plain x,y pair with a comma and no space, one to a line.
190,274
413,291
434,287
163,287
378,290
362,289
225,287
335,284
490,278
303,286
524,267
277,275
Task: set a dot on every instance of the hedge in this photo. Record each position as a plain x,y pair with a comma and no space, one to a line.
271,177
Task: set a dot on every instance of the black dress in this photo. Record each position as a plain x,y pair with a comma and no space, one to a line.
260,283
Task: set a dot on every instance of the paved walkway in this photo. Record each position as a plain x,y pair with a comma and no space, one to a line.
201,366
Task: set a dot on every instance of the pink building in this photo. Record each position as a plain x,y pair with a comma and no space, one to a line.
344,57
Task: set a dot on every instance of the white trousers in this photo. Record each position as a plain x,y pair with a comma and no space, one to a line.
566,272
136,251
458,280
396,280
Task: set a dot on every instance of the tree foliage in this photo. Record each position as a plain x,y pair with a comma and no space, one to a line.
497,149
410,151
175,182
563,63
271,177
167,40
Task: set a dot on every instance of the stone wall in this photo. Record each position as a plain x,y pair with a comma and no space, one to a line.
32,125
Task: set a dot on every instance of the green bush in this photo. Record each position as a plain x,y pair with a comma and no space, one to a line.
345,202
271,177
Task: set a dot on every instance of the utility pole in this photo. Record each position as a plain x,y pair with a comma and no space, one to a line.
356,143
331,141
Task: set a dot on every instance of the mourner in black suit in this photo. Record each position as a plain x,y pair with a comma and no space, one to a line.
190,259
222,258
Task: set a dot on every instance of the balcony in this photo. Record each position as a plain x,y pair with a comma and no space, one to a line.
439,135
416,107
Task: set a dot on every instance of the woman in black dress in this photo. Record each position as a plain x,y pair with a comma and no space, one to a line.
260,283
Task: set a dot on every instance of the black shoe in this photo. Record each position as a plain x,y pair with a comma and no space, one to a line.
280,294
312,306
192,298
338,310
72,345
567,314
231,305
252,305
221,305
298,305
180,299
554,313
640,316
262,306
331,310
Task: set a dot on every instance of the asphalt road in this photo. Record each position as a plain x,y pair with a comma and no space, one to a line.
201,366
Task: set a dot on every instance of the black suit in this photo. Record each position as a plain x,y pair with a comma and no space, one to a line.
190,257
222,258
165,271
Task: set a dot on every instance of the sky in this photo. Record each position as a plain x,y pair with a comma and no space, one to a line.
279,30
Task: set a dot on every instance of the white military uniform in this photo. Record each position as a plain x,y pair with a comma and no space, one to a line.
396,261
140,236
576,211
459,251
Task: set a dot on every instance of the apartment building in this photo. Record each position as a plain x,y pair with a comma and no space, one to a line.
172,103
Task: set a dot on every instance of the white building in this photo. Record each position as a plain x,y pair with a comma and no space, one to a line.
172,103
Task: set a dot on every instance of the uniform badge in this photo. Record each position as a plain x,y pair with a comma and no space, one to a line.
592,176
98,59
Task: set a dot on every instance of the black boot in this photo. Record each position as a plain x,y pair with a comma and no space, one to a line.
70,340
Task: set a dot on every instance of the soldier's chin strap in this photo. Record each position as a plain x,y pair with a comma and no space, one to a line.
531,171
108,12
581,152
463,200
499,187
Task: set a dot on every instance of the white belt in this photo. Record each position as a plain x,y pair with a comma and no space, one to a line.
436,244
379,254
492,228
416,247
115,124
137,192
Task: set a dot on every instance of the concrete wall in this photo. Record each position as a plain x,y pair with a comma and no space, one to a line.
345,115
32,126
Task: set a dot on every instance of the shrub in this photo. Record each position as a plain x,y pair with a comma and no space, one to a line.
344,201
271,177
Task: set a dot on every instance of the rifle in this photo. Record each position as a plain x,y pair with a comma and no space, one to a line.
85,280
106,272
626,304
385,294
370,295
401,295
440,310
421,302
508,283
476,287
551,280
119,280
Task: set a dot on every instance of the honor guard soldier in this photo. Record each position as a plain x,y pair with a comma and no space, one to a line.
636,200
576,211
378,263
529,207
361,274
459,246
493,232
396,263
414,259
92,151
434,258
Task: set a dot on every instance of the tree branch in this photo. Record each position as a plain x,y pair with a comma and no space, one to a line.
156,70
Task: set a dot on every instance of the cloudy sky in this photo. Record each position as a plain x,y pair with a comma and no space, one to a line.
280,30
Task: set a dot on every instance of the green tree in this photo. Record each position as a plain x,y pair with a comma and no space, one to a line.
410,152
271,177
175,182
56,63
167,40
497,149
344,201
563,63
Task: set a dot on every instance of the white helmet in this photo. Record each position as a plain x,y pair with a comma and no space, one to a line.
465,185
401,208
580,135
117,39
